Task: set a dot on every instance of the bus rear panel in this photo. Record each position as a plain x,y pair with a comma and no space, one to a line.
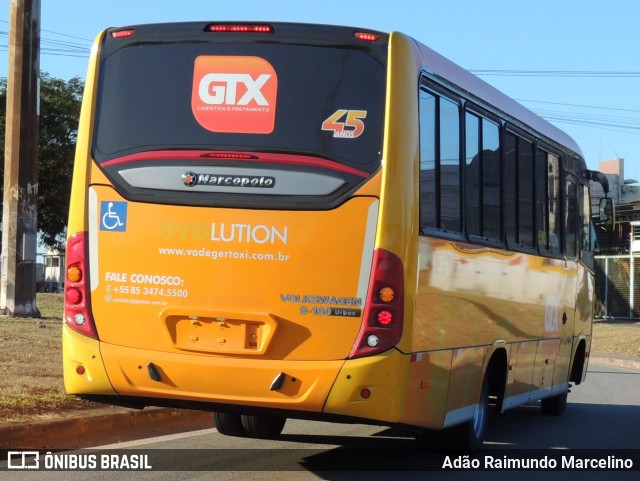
231,183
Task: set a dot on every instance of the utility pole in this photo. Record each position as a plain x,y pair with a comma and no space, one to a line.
20,203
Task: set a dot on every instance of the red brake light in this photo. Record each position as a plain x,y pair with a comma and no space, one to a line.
385,318
122,33
367,37
240,28
77,309
74,296
384,309
229,155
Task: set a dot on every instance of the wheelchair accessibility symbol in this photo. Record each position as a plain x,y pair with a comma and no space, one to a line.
113,216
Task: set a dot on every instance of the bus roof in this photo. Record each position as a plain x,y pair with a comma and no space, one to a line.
463,79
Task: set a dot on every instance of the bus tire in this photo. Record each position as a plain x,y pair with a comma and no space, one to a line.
229,424
469,435
555,405
263,427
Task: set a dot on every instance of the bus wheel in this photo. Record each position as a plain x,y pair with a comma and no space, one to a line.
229,424
554,406
263,427
469,435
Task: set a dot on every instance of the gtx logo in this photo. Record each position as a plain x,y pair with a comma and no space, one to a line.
222,88
234,94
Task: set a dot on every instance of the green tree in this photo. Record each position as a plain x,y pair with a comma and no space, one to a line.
59,113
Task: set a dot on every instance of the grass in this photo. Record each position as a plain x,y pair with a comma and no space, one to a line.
616,338
31,365
31,361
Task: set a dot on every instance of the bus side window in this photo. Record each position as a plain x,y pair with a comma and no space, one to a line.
571,224
553,197
482,178
491,181
519,195
525,193
511,188
428,192
541,202
472,174
440,195
587,242
450,195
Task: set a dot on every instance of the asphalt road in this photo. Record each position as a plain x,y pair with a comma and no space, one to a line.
603,413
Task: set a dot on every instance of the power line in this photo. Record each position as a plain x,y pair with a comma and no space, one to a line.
57,33
613,123
557,73
577,105
57,47
629,124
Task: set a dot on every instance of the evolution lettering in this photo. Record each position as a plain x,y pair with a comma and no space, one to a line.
223,232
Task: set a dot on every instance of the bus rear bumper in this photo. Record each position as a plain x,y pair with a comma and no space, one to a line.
371,388
327,388
279,384
84,372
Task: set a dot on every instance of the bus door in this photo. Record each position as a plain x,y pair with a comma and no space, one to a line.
566,316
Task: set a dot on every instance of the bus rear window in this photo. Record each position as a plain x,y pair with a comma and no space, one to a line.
300,99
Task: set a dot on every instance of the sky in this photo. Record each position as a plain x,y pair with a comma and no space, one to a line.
574,62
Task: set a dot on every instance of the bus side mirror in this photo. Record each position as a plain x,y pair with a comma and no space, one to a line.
607,216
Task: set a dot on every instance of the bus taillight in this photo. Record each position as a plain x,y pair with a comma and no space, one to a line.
385,318
367,37
383,314
122,33
77,312
240,28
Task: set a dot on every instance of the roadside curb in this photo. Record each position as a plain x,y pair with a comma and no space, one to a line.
619,361
100,427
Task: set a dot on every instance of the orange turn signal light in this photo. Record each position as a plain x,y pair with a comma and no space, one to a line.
386,294
74,274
